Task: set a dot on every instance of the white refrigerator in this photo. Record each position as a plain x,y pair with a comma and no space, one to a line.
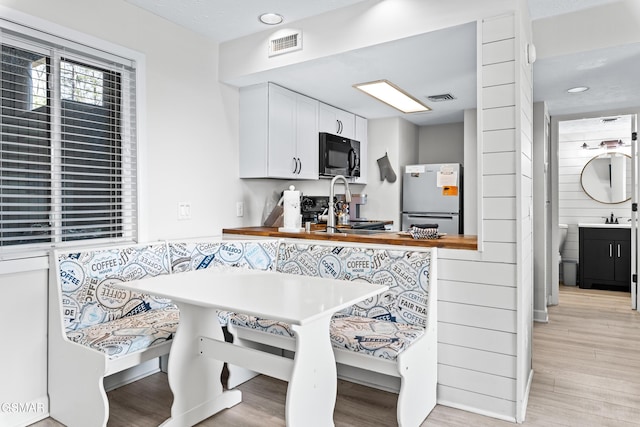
432,194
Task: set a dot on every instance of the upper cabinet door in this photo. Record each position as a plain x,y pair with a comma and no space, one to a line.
283,159
336,121
278,133
307,147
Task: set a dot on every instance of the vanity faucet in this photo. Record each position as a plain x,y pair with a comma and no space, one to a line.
611,220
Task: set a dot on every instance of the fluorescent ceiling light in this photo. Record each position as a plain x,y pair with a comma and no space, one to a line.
271,18
578,89
392,95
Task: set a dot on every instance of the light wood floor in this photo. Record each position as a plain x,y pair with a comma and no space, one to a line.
587,373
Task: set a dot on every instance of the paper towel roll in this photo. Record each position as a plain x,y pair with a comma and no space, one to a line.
291,204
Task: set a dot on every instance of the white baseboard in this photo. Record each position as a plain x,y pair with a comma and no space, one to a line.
541,316
525,401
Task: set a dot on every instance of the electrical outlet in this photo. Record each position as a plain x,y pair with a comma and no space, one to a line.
184,210
240,209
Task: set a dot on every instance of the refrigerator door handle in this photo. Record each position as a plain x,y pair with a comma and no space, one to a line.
430,216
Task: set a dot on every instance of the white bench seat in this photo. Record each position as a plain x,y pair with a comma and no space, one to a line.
129,334
97,329
378,338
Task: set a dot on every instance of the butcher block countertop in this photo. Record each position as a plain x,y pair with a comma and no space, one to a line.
380,237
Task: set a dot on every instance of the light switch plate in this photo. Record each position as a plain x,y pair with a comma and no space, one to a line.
184,210
240,209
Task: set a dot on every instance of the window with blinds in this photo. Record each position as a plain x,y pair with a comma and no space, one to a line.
67,145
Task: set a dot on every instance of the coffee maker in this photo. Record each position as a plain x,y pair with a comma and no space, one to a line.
357,200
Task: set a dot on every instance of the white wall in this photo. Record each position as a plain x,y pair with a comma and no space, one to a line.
524,209
399,140
442,143
484,340
23,359
363,24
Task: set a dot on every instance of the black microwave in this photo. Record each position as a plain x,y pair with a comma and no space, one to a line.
339,156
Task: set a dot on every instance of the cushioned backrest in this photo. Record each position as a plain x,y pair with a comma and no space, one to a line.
259,255
86,277
405,272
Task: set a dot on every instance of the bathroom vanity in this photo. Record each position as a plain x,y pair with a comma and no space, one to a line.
605,256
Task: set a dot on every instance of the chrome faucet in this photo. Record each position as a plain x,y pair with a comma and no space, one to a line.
331,217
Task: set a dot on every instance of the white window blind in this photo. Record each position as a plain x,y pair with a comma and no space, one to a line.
67,145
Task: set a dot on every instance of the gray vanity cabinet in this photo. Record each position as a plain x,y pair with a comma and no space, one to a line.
605,258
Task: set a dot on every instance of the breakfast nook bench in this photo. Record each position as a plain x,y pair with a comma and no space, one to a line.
393,334
97,329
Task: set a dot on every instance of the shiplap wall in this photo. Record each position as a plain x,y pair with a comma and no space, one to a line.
574,205
524,175
478,291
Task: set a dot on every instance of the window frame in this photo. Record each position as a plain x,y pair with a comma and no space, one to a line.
33,27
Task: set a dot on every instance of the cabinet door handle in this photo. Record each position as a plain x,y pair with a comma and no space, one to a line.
295,165
610,250
299,165
618,250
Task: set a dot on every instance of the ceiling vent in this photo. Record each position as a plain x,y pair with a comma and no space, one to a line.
285,42
440,98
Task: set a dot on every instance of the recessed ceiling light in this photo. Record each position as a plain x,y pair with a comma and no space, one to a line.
271,18
578,89
392,95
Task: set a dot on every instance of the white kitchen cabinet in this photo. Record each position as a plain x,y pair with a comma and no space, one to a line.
278,133
336,121
361,135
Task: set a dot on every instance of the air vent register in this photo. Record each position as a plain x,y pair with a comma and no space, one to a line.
285,42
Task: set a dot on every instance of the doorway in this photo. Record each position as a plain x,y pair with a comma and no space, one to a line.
579,146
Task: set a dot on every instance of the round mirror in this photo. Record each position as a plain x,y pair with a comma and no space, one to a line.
607,178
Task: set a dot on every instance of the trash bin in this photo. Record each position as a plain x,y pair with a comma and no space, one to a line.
569,272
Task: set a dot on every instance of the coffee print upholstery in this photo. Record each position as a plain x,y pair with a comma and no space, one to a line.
406,274
382,326
197,256
87,278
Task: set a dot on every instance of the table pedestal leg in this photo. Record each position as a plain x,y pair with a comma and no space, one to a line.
311,395
195,380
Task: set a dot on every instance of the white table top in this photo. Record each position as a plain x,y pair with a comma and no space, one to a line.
290,298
